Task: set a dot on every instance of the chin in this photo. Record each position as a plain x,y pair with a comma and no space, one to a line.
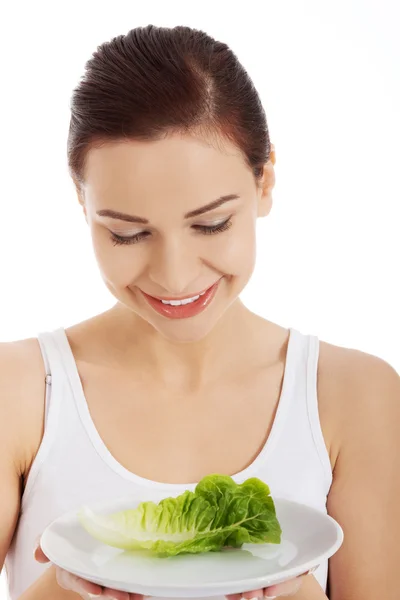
185,331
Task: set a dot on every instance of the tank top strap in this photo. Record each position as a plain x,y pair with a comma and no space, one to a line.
55,382
296,449
52,359
312,405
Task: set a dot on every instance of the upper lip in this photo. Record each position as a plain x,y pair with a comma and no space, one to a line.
182,297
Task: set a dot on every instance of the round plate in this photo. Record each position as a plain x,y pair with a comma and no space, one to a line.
308,538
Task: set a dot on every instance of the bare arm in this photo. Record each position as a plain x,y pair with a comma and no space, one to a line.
10,484
21,430
11,456
364,497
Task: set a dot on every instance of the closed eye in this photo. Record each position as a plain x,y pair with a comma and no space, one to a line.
210,229
138,237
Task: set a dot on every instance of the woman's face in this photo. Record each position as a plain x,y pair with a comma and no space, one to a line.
162,250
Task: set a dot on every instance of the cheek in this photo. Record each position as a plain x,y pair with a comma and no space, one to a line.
234,252
117,264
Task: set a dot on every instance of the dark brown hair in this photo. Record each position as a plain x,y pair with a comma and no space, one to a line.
156,81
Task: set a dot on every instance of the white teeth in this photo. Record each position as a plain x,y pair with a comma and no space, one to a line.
181,302
189,300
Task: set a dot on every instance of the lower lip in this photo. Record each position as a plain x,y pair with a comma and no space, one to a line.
184,310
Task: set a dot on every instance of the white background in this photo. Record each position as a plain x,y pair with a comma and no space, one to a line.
329,77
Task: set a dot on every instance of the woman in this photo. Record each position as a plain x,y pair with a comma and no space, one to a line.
171,158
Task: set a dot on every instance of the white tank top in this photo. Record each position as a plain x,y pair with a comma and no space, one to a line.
73,466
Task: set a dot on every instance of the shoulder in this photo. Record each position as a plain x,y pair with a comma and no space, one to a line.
356,391
22,394
359,399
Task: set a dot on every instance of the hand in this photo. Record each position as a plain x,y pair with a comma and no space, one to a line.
84,588
288,588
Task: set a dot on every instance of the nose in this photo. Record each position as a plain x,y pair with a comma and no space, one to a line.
174,267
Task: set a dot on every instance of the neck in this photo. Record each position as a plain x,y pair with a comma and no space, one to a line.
190,365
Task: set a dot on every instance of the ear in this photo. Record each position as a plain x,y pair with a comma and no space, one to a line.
266,186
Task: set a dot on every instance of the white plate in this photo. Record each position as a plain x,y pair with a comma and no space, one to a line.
309,537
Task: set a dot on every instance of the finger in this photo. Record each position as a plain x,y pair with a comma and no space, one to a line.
253,594
287,588
39,555
89,587
116,594
71,582
247,595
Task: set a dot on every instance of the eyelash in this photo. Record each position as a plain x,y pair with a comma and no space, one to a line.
138,237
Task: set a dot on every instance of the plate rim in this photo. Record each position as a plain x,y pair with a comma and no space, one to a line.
205,589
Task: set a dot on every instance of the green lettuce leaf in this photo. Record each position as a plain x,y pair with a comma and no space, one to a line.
219,513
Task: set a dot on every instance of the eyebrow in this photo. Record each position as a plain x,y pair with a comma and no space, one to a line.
113,214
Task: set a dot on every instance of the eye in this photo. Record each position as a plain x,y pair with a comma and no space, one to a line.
210,229
132,239
119,240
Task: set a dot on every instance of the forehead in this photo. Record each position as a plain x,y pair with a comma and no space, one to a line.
175,166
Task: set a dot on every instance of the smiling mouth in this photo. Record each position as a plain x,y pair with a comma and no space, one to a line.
182,300
180,308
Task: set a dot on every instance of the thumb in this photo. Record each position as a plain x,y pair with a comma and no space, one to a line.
38,553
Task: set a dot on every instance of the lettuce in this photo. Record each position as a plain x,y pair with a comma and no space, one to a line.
219,513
